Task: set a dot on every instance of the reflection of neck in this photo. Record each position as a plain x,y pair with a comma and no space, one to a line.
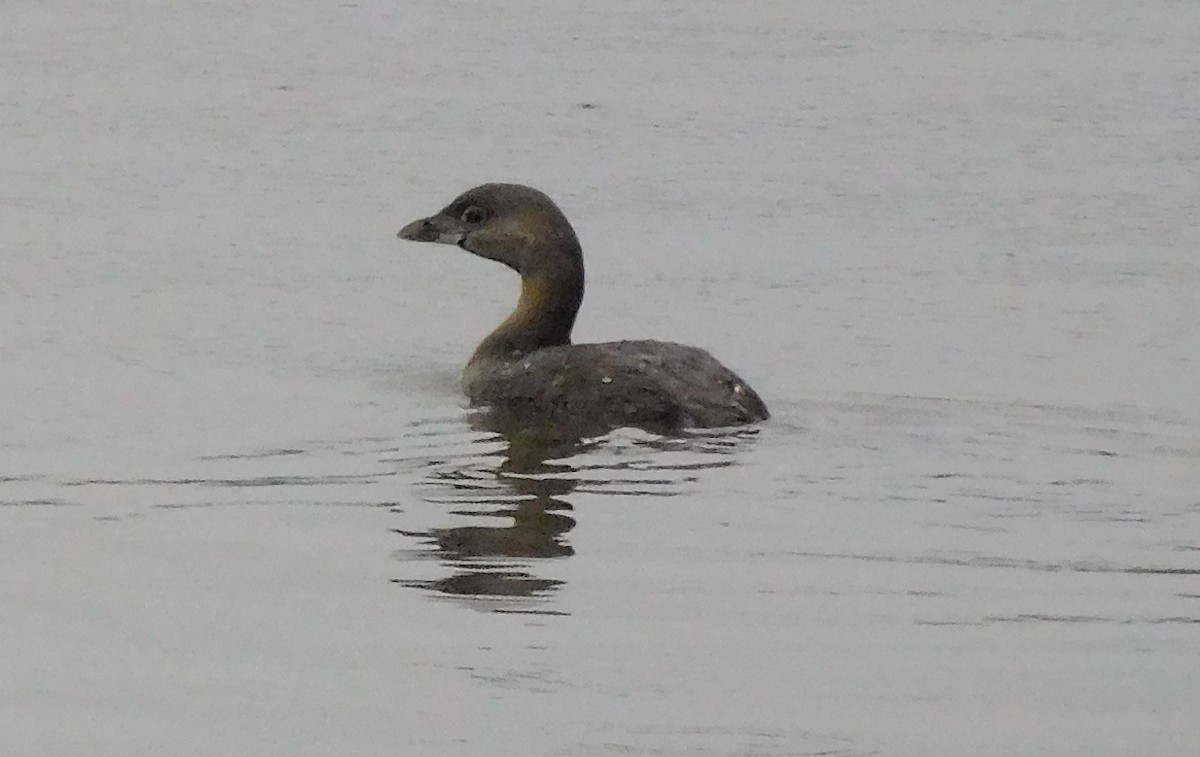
544,315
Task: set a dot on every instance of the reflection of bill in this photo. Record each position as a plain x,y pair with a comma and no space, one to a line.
484,583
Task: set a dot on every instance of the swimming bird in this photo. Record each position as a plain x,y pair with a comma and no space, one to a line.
528,371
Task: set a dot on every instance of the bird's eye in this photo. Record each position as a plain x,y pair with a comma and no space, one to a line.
473,215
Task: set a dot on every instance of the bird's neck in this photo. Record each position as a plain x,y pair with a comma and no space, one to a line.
544,315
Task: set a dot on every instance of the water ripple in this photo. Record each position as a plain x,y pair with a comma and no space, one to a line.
1009,563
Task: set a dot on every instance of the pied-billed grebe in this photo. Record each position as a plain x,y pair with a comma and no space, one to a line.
528,369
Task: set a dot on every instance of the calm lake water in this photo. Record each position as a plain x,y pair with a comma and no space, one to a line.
244,510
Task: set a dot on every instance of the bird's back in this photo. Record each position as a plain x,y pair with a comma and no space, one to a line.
661,386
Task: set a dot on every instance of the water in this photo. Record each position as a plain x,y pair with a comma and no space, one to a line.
244,511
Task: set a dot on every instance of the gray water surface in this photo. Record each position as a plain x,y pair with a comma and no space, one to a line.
243,509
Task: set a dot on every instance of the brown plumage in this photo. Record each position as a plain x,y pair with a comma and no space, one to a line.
528,372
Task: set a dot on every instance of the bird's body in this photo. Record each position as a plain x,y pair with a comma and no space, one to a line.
649,384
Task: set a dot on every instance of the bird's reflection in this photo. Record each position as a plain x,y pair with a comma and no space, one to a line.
526,489
521,474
